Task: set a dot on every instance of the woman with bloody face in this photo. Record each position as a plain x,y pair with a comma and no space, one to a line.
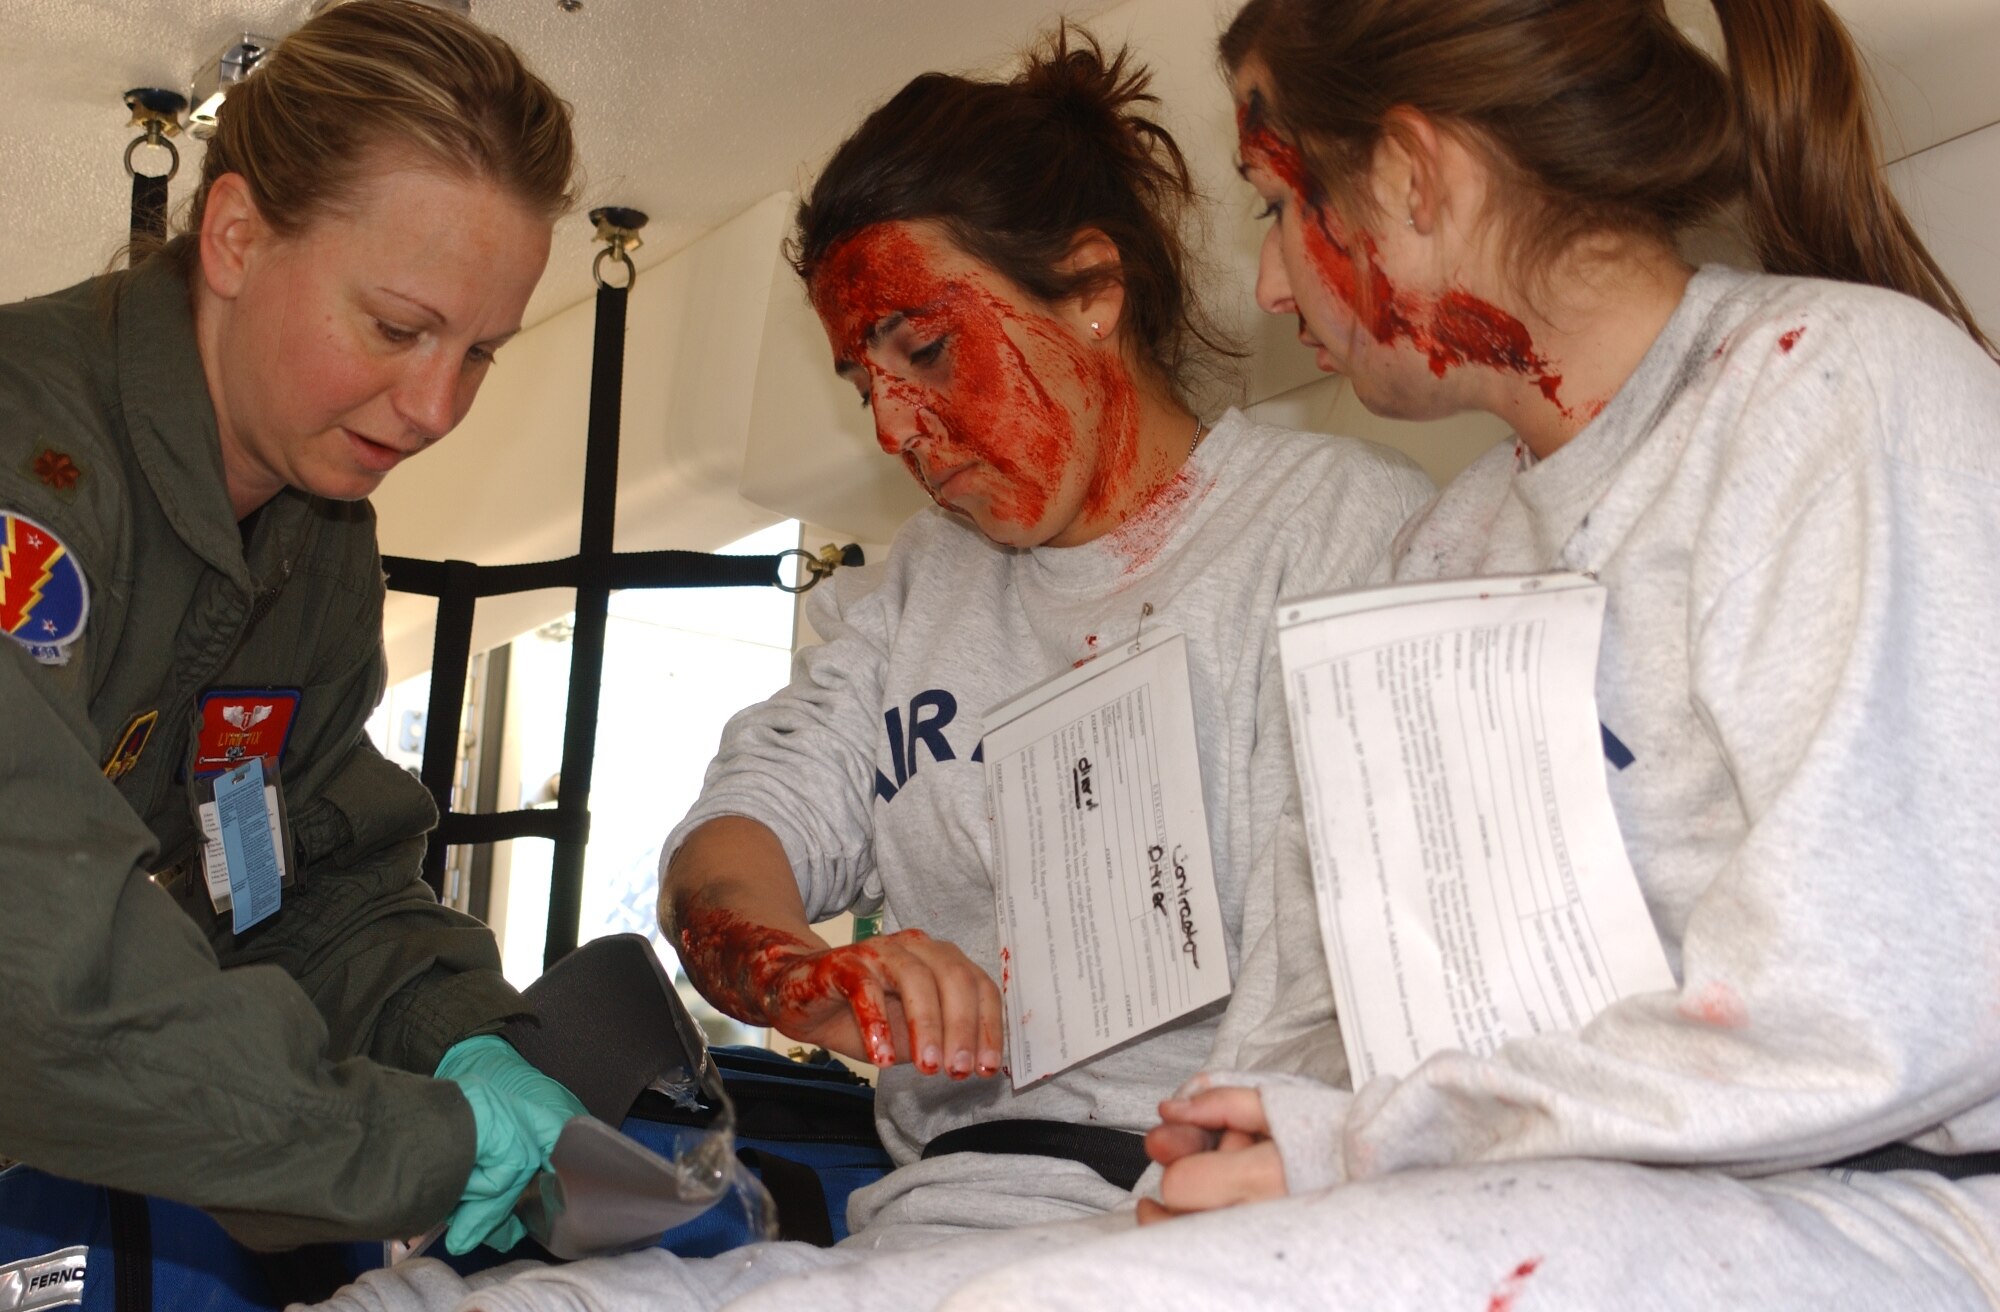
998,269
1789,482
1000,274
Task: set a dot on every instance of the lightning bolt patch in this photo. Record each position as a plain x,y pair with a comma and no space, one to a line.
27,563
43,595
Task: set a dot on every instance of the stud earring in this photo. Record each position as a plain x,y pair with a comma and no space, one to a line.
1096,329
1412,220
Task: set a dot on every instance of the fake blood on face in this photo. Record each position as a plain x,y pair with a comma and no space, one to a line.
985,417
1451,330
768,977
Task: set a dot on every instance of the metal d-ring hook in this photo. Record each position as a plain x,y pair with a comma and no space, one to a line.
158,114
818,567
614,252
153,137
618,228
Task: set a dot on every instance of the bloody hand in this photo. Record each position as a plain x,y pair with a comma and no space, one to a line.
902,997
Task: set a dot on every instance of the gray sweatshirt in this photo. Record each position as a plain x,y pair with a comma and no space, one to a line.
868,767
1795,503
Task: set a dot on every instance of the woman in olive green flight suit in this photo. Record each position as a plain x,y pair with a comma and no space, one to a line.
190,581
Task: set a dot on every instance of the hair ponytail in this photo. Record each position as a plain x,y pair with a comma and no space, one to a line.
1601,116
1818,204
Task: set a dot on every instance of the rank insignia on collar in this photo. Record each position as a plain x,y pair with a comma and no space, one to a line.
130,743
239,723
57,470
44,598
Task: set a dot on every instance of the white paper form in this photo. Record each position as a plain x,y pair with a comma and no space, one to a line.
1105,889
1472,882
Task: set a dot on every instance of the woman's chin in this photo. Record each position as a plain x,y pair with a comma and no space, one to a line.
1000,532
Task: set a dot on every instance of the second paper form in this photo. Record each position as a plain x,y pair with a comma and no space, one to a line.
1472,882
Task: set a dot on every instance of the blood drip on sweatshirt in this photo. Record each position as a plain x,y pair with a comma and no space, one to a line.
1510,1288
992,434
1451,330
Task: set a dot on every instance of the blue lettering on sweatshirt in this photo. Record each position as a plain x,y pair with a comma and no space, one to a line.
929,714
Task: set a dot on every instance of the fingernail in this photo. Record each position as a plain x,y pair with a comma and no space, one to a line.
961,1064
989,1061
930,1059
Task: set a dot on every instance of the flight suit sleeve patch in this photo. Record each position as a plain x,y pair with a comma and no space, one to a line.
44,599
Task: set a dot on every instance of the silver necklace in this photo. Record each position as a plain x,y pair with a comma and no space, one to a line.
1200,427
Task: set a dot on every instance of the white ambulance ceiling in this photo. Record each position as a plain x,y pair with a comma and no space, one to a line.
689,109
692,110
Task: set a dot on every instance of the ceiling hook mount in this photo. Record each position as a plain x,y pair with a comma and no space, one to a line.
157,115
618,228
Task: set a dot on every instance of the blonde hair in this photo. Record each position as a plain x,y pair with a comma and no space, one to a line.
388,74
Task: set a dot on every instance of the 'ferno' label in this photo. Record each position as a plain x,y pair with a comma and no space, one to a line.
51,1280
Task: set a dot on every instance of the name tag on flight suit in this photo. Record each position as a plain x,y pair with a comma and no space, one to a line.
241,732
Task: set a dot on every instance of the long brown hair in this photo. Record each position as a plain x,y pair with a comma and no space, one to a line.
388,74
1014,170
1601,116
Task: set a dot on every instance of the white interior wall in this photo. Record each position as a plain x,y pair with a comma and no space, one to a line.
733,417
506,486
1952,192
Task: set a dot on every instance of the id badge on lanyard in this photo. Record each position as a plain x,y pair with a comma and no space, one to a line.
237,790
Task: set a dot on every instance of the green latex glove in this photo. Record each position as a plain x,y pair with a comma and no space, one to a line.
518,1112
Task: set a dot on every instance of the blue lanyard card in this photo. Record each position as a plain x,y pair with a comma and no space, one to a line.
246,827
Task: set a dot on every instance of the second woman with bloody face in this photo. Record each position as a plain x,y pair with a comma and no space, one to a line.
998,270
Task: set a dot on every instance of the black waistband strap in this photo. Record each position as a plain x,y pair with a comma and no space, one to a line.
1117,1155
1902,1157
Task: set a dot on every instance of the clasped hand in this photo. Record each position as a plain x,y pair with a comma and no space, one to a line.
1217,1149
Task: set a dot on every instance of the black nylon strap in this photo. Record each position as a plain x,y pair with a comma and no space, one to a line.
149,210
627,569
451,653
1902,1157
1117,1155
131,1253
800,1197
463,829
595,543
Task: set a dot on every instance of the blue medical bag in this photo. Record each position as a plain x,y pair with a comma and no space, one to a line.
609,1026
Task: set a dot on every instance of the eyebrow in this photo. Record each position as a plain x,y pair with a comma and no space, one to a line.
431,312
881,328
437,317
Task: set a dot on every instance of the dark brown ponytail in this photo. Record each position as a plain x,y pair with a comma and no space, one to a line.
1601,117
1015,171
1818,203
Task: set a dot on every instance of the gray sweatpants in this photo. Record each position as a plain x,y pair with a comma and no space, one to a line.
1543,1236
1526,1237
949,1219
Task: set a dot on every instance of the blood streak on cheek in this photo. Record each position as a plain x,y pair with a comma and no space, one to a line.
1455,329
